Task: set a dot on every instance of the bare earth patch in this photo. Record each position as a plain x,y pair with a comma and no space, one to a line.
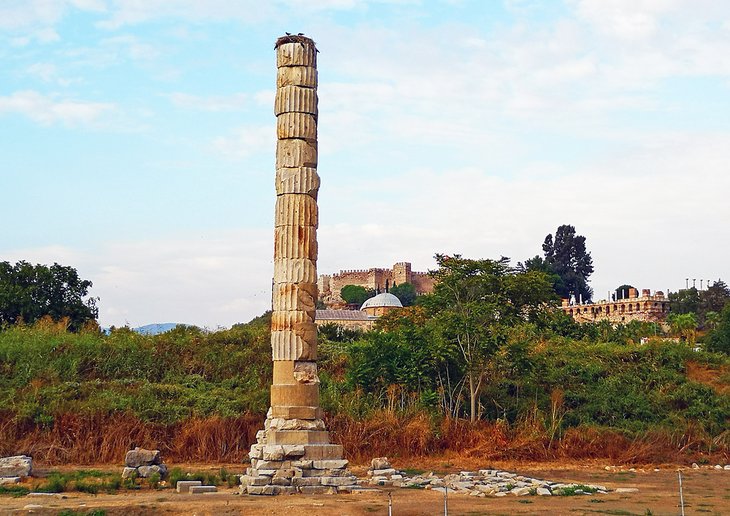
706,491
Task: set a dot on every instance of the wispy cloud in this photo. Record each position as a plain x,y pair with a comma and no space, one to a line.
219,279
48,109
246,141
212,103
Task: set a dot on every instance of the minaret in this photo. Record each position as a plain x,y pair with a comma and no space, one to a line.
293,452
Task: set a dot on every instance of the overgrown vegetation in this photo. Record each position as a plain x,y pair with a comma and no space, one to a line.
486,345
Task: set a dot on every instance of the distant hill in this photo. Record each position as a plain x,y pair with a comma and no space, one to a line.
155,329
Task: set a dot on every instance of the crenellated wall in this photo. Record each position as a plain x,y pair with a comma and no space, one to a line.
647,308
375,279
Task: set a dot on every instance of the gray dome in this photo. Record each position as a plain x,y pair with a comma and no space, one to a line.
384,299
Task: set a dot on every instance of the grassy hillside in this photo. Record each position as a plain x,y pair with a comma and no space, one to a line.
87,397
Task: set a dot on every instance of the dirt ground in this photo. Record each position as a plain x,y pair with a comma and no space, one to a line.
706,491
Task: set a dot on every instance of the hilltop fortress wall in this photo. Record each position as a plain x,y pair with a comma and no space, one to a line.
329,286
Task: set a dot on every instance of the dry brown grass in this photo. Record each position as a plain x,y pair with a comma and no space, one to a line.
101,439
529,440
715,377
98,439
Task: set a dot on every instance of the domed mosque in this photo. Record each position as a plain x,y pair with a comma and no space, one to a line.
363,319
381,304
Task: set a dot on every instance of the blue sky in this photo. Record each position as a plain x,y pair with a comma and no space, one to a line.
137,140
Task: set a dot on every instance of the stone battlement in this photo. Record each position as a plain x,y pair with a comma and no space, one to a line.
376,278
647,308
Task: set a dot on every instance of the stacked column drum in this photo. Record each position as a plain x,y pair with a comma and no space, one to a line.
293,452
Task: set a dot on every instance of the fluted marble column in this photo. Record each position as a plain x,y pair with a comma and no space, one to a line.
293,453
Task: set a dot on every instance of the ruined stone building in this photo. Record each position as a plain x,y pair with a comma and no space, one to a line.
329,286
647,308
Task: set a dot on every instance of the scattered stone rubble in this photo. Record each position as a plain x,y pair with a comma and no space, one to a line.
12,469
143,464
482,483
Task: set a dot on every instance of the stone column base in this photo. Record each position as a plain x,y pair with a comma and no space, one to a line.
296,461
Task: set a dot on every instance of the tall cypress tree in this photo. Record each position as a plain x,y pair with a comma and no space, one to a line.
567,256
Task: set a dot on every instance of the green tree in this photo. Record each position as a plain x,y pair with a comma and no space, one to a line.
566,254
719,339
538,263
355,294
685,301
713,299
622,292
29,292
712,320
405,292
683,325
700,302
473,305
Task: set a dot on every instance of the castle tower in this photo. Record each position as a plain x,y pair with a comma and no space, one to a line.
293,452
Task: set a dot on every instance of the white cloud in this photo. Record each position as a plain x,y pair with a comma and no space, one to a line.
212,103
246,141
210,281
47,110
649,217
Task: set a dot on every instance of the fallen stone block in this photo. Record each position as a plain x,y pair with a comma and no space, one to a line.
141,457
272,464
16,466
183,486
260,480
330,464
520,491
280,481
129,472
306,481
338,481
543,491
147,471
384,472
202,489
316,490
259,490
380,463
9,480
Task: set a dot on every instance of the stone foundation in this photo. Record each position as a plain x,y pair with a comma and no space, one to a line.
282,464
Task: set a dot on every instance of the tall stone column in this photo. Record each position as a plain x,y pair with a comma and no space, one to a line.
293,452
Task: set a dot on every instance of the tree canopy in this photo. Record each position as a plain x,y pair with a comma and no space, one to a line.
405,292
473,305
700,302
29,292
355,294
719,338
566,254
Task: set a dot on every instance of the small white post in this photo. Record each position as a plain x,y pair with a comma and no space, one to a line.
681,495
446,500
